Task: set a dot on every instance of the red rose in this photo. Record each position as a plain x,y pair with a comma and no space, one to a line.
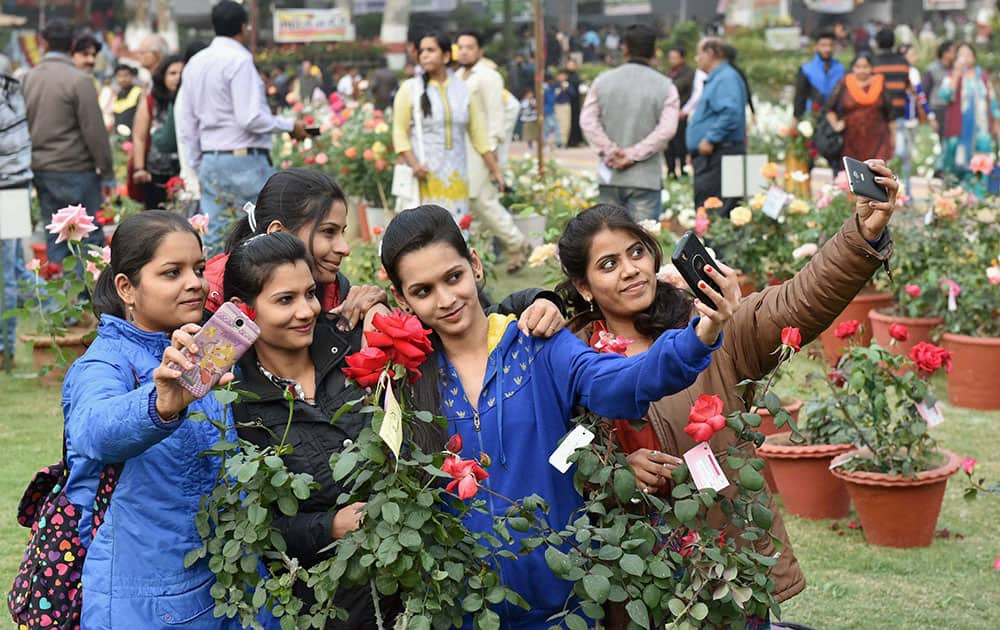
688,543
466,473
105,217
929,358
847,329
175,184
50,270
837,379
791,336
403,338
705,418
454,444
465,222
366,367
898,331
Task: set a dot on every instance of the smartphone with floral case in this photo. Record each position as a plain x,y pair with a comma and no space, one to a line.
224,338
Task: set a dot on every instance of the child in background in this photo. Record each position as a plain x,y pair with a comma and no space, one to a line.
529,118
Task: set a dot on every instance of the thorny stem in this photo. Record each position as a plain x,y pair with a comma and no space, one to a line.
288,424
838,397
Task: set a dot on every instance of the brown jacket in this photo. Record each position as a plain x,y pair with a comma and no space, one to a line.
64,119
811,301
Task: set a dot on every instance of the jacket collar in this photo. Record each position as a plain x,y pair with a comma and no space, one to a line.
328,349
116,327
230,43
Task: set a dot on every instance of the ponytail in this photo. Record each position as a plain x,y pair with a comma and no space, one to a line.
425,101
105,298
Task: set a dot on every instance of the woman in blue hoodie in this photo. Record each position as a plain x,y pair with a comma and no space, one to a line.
122,404
511,396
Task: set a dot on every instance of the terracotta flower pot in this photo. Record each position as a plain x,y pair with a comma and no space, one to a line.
858,309
767,428
72,345
802,472
974,364
919,328
897,511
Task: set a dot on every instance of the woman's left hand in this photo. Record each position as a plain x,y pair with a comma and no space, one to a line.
727,302
360,299
542,319
873,215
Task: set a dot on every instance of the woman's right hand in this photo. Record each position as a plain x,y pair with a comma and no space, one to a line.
420,171
141,176
652,468
727,302
347,519
171,398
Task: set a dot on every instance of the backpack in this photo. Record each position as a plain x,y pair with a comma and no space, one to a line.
47,590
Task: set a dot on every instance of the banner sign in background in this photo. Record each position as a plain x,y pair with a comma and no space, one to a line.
312,25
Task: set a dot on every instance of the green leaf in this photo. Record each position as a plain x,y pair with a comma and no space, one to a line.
390,512
575,622
772,402
472,602
686,510
680,474
247,471
597,587
419,622
300,488
488,620
762,517
257,514
638,613
659,569
345,464
632,564
699,611
624,484
519,524
676,607
410,539
751,479
288,505
609,552
274,462
225,396
557,561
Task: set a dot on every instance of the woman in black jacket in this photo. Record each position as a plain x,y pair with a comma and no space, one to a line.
300,352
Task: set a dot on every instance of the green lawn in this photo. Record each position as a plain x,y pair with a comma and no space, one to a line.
949,585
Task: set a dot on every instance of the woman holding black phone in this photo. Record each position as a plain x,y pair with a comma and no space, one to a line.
611,264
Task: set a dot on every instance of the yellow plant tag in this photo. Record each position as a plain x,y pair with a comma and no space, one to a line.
392,423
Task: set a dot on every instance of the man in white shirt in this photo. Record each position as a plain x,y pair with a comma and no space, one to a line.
225,122
486,84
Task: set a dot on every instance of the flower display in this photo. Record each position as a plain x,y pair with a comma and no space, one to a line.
542,253
898,331
930,358
71,223
713,203
798,206
466,475
968,465
791,337
705,418
741,215
402,338
366,366
847,329
769,171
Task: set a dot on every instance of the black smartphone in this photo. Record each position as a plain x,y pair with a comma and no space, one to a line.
862,180
312,131
690,258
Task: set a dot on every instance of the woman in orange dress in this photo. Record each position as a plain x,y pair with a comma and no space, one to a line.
859,108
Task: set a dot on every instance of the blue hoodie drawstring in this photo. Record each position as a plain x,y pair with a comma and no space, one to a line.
500,397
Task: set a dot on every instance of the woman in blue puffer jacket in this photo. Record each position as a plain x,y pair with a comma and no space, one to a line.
122,404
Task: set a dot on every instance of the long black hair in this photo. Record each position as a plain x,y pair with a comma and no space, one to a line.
163,96
253,261
671,307
132,247
295,197
444,43
409,231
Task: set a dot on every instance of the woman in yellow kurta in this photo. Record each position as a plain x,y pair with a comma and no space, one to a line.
431,115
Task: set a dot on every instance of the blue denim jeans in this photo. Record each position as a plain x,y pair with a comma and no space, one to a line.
227,183
13,273
642,203
58,189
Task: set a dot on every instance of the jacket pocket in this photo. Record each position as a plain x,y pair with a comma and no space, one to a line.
183,608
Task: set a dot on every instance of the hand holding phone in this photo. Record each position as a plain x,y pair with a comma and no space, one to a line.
220,343
690,258
862,180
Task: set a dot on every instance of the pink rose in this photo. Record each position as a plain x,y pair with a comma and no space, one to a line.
913,290
71,223
34,265
322,158
968,465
